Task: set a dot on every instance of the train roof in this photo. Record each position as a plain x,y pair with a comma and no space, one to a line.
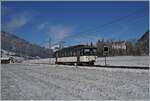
77,47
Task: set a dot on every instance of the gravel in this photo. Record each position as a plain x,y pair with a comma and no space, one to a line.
53,82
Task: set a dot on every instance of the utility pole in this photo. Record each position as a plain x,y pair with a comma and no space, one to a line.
50,50
60,43
105,52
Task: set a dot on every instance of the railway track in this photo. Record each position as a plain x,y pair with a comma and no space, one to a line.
107,66
127,67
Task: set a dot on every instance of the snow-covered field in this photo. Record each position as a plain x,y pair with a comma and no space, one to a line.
42,82
116,60
124,61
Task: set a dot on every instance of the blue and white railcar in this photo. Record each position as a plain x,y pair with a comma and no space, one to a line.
79,54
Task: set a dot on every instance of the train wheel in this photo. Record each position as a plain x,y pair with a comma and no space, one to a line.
75,64
91,63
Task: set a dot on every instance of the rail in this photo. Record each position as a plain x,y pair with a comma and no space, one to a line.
127,67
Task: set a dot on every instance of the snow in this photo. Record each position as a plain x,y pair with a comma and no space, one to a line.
58,82
39,61
124,61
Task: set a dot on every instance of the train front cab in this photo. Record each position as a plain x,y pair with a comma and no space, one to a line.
88,56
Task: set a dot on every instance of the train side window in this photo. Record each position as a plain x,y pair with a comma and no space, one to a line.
78,52
74,53
58,54
70,53
81,52
62,54
65,54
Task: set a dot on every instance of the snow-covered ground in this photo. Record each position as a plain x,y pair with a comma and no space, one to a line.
42,82
116,60
40,61
124,61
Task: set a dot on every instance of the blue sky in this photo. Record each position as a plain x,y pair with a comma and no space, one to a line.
75,22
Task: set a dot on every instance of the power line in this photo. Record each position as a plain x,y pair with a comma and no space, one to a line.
60,43
109,23
97,30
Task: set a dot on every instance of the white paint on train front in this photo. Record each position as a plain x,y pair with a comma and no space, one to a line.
87,58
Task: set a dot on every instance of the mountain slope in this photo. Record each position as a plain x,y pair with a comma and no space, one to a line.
145,37
22,47
143,43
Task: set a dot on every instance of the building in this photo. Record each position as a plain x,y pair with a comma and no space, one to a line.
119,45
118,48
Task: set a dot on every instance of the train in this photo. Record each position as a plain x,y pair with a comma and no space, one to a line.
76,55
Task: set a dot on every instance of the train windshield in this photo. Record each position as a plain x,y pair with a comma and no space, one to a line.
86,50
94,50
90,51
